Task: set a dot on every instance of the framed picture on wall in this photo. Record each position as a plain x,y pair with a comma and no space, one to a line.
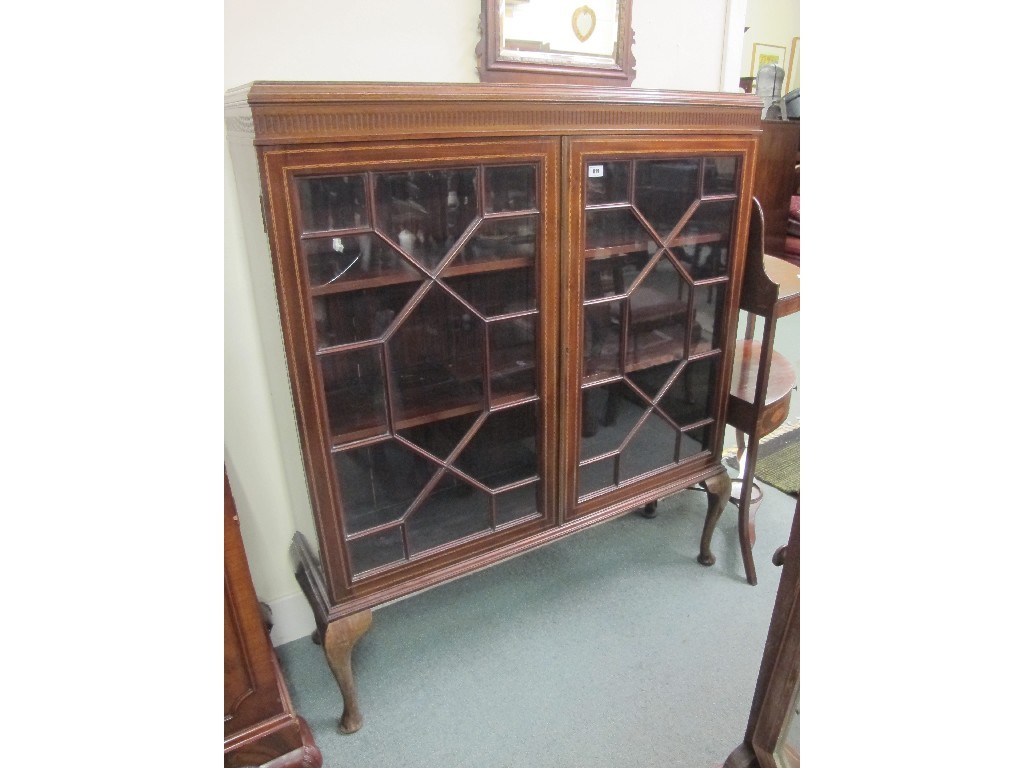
767,54
794,64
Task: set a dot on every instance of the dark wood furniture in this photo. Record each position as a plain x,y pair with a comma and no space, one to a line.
260,724
777,179
766,743
762,379
509,313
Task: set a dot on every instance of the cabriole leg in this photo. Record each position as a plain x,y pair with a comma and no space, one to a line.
717,487
339,639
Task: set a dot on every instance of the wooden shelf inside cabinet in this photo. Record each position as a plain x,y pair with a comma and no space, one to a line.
385,278
624,249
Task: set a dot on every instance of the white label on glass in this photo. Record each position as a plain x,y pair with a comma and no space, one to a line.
595,171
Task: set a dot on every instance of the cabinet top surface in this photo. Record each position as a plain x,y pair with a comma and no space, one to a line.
281,92
295,113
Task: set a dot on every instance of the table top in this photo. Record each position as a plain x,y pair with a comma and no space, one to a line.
787,276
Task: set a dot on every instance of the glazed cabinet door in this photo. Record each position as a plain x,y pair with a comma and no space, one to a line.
418,291
651,281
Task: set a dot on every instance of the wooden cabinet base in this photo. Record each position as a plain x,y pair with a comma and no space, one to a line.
287,743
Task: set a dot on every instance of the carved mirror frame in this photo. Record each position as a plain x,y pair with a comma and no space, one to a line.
496,66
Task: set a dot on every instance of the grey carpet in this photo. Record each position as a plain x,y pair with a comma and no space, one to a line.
613,647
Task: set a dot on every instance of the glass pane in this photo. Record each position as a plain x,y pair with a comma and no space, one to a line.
510,188
608,413
514,356
595,477
651,380
437,359
694,441
652,447
453,510
691,396
607,183
705,249
343,318
376,550
354,261
659,317
614,275
505,449
440,437
602,350
379,482
617,231
425,212
518,503
708,301
720,175
354,393
497,293
333,202
498,240
665,189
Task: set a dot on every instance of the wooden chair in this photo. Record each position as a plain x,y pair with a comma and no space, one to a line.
762,379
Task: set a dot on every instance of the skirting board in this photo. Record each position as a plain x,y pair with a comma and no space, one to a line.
292,619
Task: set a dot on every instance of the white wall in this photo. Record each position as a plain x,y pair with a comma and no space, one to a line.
679,44
774,22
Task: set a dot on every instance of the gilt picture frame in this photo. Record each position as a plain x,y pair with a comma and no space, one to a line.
765,53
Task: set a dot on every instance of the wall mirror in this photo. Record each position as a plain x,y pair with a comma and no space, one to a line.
556,41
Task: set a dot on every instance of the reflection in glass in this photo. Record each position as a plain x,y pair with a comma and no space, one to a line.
693,441
498,240
708,300
343,318
665,189
440,437
379,482
497,293
720,175
376,550
518,503
510,188
707,255
354,393
609,413
437,358
504,450
690,398
347,260
659,317
607,183
333,202
559,31
596,476
425,212
652,446
513,356
617,229
602,351
453,511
